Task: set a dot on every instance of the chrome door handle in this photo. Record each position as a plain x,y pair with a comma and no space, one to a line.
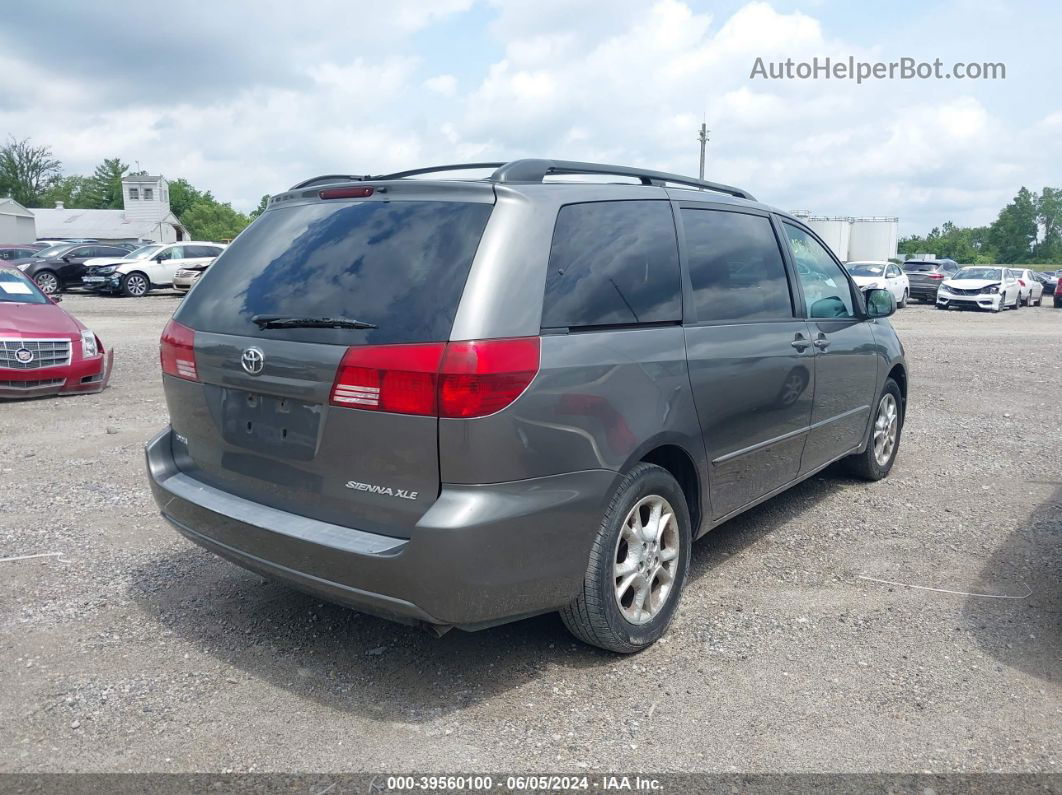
822,342
800,342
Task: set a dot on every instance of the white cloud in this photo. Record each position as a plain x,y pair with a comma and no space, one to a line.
297,93
445,85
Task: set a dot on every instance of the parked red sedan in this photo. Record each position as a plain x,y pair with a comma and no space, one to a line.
43,349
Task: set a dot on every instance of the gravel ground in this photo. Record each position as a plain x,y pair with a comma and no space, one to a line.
137,651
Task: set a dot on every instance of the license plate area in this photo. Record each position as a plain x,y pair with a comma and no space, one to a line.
270,425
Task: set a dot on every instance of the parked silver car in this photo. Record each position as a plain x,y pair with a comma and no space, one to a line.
458,403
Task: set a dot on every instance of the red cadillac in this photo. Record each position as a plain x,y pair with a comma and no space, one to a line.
43,349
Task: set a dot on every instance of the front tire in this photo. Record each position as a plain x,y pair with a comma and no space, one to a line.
875,462
638,565
135,285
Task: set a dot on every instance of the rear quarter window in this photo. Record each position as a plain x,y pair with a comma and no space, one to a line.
399,265
613,263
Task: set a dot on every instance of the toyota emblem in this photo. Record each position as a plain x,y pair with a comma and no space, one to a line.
253,360
24,355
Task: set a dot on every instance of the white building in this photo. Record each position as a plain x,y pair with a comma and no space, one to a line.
16,223
856,239
146,217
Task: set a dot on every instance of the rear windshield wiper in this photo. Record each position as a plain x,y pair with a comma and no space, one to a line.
287,321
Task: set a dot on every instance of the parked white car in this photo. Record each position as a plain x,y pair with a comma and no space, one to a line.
143,252
136,277
1032,289
882,276
985,287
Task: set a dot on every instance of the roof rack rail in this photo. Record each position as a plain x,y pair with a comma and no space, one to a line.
434,169
535,170
327,179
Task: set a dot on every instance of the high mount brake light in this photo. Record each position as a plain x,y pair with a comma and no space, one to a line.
451,380
361,192
177,351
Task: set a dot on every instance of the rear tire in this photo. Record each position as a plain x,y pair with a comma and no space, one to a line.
135,285
903,301
876,461
49,282
625,564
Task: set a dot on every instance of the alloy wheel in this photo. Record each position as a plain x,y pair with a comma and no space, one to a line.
136,285
48,283
886,428
646,559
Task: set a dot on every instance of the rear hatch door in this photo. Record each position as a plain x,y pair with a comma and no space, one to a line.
259,422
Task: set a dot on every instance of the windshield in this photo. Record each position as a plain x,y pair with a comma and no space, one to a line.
865,269
17,289
142,253
979,273
53,251
399,265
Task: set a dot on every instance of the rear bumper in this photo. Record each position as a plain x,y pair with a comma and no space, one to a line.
924,291
480,555
84,376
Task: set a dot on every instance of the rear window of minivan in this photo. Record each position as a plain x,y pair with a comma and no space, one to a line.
399,265
613,263
918,267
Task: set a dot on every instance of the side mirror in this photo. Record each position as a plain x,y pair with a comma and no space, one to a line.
830,307
66,258
880,303
158,258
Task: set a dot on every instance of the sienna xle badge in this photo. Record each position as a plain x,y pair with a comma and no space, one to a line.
461,402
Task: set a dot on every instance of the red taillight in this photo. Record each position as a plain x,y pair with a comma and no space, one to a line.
936,275
481,377
454,380
346,193
177,351
398,378
1021,282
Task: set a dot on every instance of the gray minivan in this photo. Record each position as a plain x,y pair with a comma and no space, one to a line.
462,402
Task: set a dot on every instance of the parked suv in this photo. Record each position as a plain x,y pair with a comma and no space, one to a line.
149,267
925,276
459,403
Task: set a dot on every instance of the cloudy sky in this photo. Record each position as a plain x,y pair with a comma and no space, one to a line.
248,98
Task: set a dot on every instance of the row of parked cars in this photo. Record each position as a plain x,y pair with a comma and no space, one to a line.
45,350
122,268
948,285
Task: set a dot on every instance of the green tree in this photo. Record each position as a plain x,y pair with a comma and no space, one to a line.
105,191
1049,217
211,220
1013,234
73,191
27,171
183,196
261,208
967,245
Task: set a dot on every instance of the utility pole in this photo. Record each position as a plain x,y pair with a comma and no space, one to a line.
703,138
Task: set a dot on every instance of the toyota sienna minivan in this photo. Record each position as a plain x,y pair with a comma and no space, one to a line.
459,402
